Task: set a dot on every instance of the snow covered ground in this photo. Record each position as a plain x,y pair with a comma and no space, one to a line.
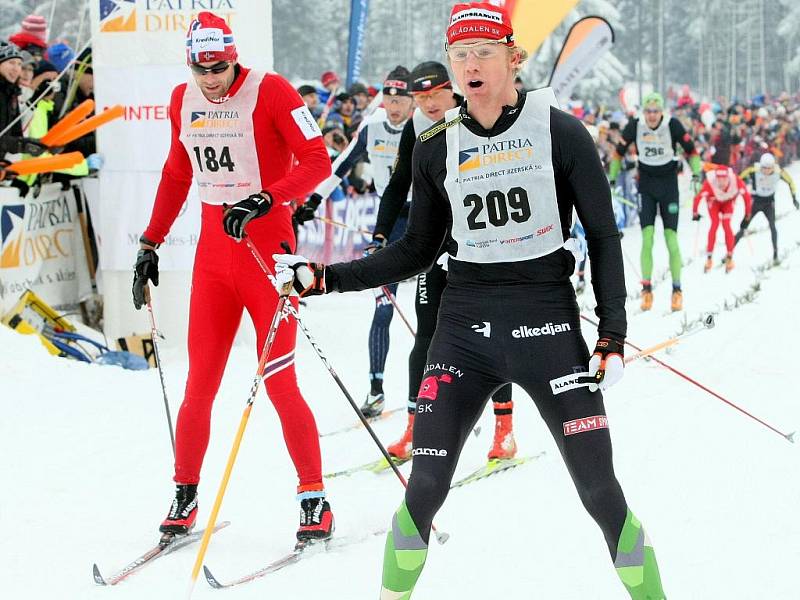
86,461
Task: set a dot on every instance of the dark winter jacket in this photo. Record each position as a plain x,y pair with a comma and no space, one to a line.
9,110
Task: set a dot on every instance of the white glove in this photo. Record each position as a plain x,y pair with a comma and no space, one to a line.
607,357
309,277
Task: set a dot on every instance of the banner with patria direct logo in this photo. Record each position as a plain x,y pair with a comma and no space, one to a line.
41,248
138,57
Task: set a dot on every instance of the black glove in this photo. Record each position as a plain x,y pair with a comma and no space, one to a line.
236,217
696,217
378,243
307,211
145,270
30,146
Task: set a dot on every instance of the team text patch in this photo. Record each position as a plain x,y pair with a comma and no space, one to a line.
585,424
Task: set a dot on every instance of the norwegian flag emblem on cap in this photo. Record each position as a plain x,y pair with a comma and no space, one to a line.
209,39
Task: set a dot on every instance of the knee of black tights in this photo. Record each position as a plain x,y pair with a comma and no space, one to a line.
603,499
425,494
383,315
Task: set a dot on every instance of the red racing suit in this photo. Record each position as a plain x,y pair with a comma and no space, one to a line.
721,202
244,144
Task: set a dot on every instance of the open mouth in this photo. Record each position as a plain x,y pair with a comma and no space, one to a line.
475,84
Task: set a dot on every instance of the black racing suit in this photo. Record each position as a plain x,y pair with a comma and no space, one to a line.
517,300
430,284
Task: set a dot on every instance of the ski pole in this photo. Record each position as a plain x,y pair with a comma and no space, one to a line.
632,264
155,334
342,225
708,323
393,300
283,293
441,536
788,436
696,239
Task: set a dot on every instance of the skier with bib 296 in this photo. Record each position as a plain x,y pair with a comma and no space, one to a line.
497,181
657,136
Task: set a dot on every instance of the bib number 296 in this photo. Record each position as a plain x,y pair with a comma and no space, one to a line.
499,207
207,157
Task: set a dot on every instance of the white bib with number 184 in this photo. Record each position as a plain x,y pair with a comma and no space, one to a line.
220,141
501,189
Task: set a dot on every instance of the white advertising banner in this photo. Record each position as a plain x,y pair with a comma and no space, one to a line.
138,57
41,248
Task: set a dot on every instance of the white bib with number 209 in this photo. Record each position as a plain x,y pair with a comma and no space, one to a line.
502,191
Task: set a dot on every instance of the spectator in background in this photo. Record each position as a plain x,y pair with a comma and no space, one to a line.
82,89
27,70
335,139
309,95
346,114
330,85
360,94
12,141
32,36
60,55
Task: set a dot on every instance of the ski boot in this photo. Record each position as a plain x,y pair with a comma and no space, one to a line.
504,445
677,299
709,264
729,263
402,448
647,297
182,514
373,405
316,521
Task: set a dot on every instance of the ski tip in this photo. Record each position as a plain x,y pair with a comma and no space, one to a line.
98,578
212,581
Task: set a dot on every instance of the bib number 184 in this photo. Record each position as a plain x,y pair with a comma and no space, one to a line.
499,207
207,157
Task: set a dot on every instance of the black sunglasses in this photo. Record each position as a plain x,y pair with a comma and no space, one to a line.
216,69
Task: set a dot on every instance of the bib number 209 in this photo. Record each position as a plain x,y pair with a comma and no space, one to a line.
207,157
499,207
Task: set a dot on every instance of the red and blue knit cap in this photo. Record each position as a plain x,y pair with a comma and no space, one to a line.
479,20
209,39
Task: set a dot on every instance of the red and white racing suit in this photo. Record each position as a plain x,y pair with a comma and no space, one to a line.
233,148
721,202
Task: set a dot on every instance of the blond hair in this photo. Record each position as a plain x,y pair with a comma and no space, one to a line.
523,56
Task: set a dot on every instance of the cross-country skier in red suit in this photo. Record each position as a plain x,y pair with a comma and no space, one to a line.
720,190
238,133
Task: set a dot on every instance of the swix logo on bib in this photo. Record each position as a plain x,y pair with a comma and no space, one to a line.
219,139
654,145
383,140
766,184
501,190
